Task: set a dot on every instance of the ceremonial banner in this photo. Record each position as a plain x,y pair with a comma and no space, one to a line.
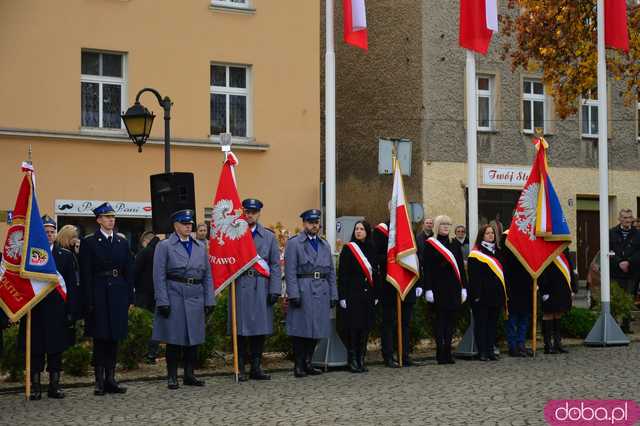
616,30
355,24
478,22
28,271
231,247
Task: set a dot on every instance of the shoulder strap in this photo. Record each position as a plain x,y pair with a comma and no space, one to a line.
446,253
362,261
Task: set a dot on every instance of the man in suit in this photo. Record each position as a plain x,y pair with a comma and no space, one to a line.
106,274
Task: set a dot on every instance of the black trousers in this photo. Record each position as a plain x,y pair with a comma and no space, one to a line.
485,324
250,347
189,354
105,353
443,328
54,362
388,330
303,346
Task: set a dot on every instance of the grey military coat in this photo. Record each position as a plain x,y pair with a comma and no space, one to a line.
254,315
312,319
186,323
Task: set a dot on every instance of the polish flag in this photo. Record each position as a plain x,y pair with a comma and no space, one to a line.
402,258
478,22
616,31
355,24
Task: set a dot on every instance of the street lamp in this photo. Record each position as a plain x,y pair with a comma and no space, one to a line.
138,121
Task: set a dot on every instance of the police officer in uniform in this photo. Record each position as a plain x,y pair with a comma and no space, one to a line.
311,289
52,321
256,294
184,296
106,274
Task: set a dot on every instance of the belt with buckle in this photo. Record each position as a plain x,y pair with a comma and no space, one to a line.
314,275
110,273
184,280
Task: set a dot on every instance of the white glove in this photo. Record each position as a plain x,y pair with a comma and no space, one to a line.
343,304
428,295
545,297
375,302
418,291
463,295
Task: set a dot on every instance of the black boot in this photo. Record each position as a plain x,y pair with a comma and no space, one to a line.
36,389
440,354
547,330
298,367
448,355
172,373
308,366
524,351
189,378
557,338
360,356
110,383
256,369
352,363
54,386
242,374
99,375
390,362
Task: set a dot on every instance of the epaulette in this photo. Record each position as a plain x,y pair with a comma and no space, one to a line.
269,229
88,237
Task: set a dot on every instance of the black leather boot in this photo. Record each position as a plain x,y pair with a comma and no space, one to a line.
360,356
172,373
54,390
352,363
557,338
189,364
298,368
99,375
440,354
242,374
110,383
36,389
257,373
310,347
547,330
448,355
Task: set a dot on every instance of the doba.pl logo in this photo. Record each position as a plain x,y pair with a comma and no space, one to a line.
617,412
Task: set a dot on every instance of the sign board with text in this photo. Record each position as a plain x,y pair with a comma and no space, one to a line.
139,209
505,176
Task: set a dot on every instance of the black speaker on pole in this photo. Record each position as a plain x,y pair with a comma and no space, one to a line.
170,192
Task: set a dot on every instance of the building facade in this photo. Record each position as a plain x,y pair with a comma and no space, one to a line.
411,85
69,69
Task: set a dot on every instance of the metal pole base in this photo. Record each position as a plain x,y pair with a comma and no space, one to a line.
467,348
330,352
606,331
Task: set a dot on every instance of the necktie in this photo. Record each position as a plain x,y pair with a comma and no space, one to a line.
110,239
314,243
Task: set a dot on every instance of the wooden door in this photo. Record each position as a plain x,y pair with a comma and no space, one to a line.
588,240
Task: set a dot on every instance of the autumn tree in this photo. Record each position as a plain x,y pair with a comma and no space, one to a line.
559,38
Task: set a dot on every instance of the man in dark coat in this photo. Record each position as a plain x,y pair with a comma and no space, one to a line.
106,274
257,290
311,289
388,295
51,321
624,242
145,295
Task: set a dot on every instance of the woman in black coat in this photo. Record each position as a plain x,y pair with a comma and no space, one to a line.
487,291
557,286
444,284
357,275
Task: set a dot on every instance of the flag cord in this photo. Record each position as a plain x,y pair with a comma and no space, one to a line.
399,311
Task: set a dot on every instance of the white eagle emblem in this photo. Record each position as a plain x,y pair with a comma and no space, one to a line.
13,250
526,211
227,222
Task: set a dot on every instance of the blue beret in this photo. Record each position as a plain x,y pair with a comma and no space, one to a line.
104,209
252,204
183,216
309,215
48,221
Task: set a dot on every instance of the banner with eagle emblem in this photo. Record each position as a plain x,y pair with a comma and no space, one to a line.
539,231
28,271
231,247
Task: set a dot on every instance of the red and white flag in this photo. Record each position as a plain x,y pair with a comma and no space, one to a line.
231,247
355,24
616,31
478,22
402,258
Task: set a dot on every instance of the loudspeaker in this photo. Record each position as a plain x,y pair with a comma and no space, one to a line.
170,192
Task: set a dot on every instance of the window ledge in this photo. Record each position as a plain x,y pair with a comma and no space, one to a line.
232,9
100,131
488,131
590,137
235,140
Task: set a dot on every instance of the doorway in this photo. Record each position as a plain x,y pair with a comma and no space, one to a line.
588,224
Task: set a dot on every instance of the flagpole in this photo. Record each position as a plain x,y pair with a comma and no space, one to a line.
27,379
399,311
534,317
330,128
234,331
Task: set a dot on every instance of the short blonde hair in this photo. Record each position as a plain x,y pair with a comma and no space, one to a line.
65,237
440,219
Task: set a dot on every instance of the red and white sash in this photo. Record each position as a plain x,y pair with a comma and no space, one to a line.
362,261
382,227
563,265
446,253
262,267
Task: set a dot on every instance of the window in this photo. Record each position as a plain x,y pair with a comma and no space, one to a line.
484,92
533,112
589,114
102,89
241,4
230,111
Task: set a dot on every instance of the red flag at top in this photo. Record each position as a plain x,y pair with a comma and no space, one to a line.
616,32
478,22
355,24
231,247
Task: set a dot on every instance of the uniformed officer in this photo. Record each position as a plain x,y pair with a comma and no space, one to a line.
52,321
311,289
257,291
106,274
184,296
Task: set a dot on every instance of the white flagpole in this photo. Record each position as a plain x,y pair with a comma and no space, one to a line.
330,129
472,144
605,331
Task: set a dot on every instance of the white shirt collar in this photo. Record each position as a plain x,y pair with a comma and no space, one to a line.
106,235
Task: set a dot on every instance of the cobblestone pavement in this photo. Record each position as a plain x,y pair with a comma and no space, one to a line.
511,391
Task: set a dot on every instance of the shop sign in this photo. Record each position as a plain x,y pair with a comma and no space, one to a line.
85,208
505,176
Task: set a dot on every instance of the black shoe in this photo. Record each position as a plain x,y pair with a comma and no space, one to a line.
172,376
353,363
110,383
298,368
36,389
310,369
550,350
524,351
54,390
483,358
361,363
99,377
560,349
391,363
492,357
256,369
189,378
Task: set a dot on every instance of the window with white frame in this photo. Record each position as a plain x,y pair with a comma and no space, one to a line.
241,4
484,92
230,106
533,112
589,114
102,89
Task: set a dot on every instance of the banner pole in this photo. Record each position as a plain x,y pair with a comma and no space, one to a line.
399,311
534,318
234,332
27,379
